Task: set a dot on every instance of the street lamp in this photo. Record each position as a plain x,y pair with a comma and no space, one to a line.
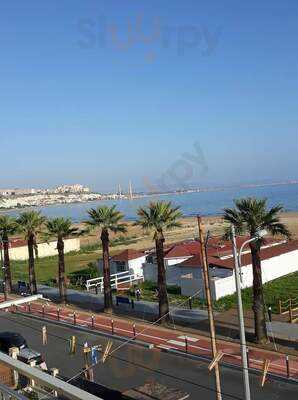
238,281
259,235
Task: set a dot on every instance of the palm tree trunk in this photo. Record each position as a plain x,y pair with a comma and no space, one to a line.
258,296
162,282
61,270
108,300
32,277
7,271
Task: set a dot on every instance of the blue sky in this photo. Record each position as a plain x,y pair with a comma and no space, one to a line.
98,92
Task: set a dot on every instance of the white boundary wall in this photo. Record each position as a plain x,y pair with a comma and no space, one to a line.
272,268
44,249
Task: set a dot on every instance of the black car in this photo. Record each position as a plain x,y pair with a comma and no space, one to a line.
14,339
11,339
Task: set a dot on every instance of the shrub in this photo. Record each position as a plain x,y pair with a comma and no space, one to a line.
79,278
174,289
148,285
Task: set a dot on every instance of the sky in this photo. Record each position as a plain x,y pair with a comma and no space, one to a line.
165,93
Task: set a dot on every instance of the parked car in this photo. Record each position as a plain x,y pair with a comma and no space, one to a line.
14,339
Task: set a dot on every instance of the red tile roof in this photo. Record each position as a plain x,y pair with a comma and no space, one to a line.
216,246
181,249
266,253
128,254
16,243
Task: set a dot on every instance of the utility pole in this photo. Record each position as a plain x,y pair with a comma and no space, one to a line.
3,267
209,306
241,319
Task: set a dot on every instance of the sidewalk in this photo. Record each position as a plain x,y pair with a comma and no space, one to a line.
277,329
145,310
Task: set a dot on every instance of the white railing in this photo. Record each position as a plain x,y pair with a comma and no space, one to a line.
17,302
8,394
116,279
42,379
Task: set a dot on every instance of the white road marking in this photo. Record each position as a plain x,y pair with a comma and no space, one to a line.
176,342
189,338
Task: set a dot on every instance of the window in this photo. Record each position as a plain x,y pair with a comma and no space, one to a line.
121,266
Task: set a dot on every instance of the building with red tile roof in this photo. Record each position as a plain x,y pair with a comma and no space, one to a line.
128,260
183,264
127,255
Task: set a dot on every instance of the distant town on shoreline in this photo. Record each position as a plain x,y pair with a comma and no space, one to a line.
78,193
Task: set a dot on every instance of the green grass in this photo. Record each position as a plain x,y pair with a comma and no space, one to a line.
282,288
123,240
47,268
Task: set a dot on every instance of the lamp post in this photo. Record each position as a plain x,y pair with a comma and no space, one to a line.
238,280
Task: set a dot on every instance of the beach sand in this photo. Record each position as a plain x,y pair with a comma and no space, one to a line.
188,230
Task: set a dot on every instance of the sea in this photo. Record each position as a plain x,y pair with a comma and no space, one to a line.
205,203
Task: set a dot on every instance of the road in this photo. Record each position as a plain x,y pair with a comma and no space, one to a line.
164,338
133,365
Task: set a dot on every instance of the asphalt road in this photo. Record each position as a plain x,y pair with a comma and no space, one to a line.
132,365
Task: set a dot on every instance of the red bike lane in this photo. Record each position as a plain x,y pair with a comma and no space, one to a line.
165,339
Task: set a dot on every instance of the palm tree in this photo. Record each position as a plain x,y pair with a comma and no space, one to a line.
61,228
30,224
158,217
249,216
107,219
8,227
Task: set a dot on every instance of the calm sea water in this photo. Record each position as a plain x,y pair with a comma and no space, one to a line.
204,203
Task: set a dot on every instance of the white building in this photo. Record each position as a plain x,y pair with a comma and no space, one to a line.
184,269
77,188
174,255
18,249
127,260
278,259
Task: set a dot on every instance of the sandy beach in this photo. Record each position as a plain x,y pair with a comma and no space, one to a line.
188,230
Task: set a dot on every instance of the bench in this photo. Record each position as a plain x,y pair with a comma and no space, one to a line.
22,287
124,300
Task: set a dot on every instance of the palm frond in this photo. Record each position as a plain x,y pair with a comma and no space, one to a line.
158,216
251,214
105,217
61,227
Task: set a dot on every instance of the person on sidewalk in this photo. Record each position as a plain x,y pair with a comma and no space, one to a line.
138,294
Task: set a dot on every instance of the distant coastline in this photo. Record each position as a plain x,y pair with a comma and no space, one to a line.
40,201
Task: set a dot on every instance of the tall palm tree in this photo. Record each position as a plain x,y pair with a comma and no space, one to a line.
8,227
107,219
61,228
30,224
158,217
249,216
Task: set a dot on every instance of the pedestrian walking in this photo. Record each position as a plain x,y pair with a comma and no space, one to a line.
138,294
